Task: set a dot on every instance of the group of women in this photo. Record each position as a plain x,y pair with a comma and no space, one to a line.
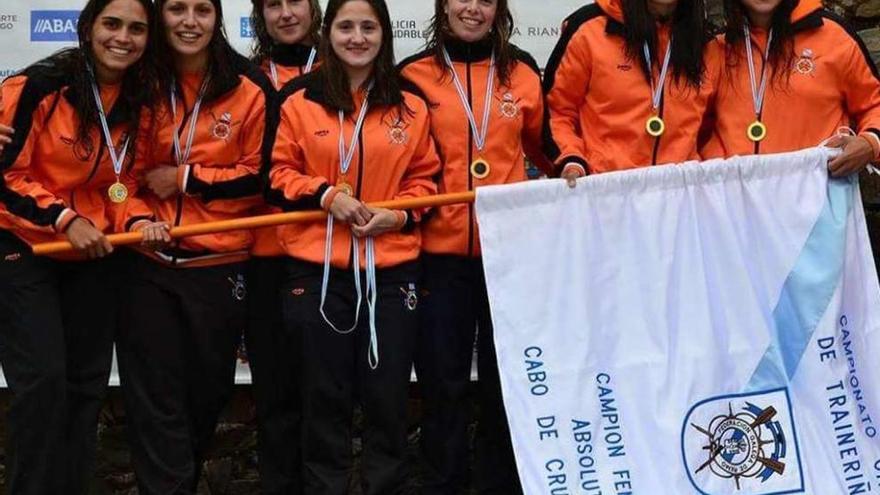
154,121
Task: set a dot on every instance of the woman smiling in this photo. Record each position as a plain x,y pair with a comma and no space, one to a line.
348,134
65,175
185,301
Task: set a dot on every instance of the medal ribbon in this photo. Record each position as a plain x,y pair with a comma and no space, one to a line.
274,70
479,134
757,93
657,92
183,158
345,158
105,127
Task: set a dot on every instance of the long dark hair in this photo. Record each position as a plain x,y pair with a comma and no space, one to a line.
781,53
688,31
263,43
337,87
502,28
220,54
77,65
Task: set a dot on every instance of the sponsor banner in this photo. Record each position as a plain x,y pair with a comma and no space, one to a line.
54,25
707,328
33,29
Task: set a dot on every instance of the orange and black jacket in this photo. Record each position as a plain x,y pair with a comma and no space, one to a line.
49,177
600,100
291,62
395,159
221,179
516,127
832,83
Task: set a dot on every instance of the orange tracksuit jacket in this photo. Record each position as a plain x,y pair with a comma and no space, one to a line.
395,159
290,63
833,83
221,180
48,179
599,99
516,121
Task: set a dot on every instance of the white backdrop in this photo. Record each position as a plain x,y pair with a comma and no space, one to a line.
32,29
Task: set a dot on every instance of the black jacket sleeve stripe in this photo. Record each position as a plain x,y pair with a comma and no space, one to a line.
276,197
571,26
36,89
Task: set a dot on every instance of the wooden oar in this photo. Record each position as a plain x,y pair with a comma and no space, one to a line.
261,221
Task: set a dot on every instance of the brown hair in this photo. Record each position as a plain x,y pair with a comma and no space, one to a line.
336,85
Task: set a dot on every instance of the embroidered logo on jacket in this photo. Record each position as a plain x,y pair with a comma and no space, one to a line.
509,106
397,131
222,128
805,64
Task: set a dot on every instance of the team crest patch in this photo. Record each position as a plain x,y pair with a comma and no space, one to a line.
222,128
805,64
743,443
397,132
509,106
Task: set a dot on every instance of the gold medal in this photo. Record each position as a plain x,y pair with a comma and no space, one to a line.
757,131
346,188
480,168
655,126
118,192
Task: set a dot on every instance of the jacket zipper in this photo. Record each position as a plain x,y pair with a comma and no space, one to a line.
657,139
179,214
470,160
360,174
761,111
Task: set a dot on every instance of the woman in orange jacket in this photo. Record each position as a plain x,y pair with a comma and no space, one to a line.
185,301
487,112
795,75
628,85
286,34
77,117
349,134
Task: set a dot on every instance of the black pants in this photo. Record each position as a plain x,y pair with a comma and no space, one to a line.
454,307
57,321
177,365
336,376
275,357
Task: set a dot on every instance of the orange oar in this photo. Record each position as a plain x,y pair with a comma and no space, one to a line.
261,221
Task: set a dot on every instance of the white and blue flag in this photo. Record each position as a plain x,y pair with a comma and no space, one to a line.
707,328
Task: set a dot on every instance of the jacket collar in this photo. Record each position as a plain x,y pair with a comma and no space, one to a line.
314,91
612,8
806,15
291,55
463,51
120,113
224,85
